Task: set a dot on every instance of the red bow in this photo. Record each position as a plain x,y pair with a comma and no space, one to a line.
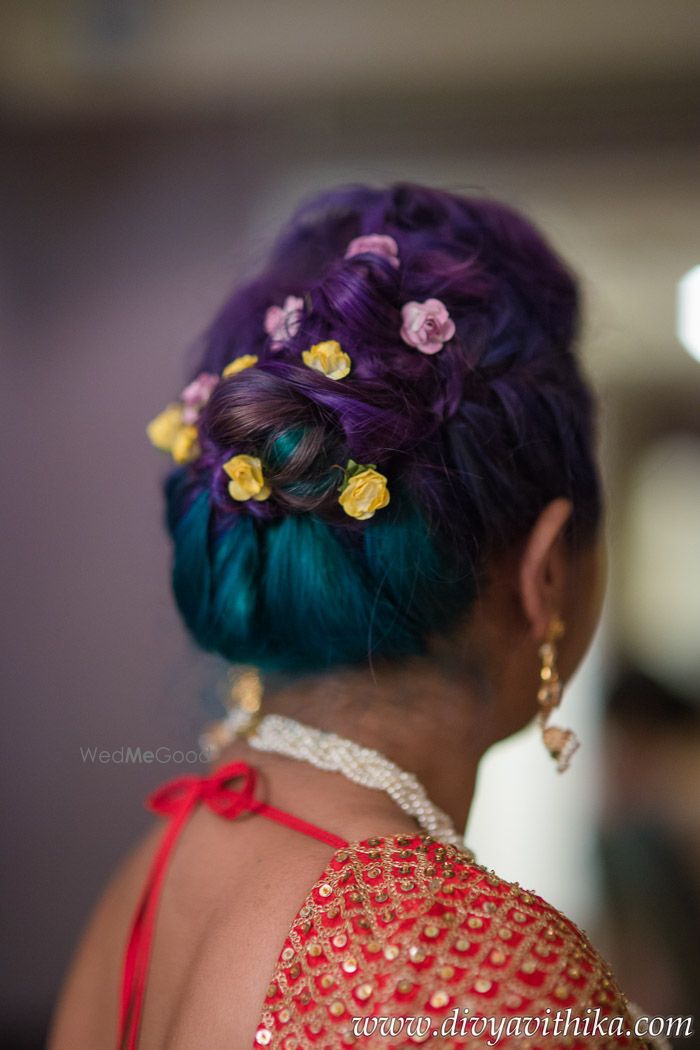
216,791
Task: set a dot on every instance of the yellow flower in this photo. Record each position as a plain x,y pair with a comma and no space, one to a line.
328,358
169,434
238,364
247,480
364,493
163,430
185,446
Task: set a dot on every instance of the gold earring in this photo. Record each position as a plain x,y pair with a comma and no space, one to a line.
244,712
560,743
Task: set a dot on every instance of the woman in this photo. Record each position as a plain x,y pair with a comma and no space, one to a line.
386,498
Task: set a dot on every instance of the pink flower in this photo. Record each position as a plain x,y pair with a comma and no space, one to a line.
377,244
282,322
195,396
427,326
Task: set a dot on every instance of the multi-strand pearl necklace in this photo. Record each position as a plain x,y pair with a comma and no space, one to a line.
361,764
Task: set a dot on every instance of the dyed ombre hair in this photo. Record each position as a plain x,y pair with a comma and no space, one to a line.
474,440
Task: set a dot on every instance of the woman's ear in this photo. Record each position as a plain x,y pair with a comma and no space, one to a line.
543,567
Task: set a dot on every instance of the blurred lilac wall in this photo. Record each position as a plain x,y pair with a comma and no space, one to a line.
118,247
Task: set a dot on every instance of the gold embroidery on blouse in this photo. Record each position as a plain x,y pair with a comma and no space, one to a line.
404,926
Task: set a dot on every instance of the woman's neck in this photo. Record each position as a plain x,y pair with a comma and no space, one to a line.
431,724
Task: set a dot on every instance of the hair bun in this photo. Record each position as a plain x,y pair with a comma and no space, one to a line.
269,414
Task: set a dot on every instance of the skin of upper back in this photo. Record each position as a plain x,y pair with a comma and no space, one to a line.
231,892
230,895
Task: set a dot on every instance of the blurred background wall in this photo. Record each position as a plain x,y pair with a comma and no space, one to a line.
150,150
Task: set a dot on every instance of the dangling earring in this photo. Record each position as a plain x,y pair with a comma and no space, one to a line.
245,699
561,743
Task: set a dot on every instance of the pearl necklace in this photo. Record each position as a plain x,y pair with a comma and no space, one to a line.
364,766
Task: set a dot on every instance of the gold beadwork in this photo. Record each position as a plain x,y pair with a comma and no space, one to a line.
406,952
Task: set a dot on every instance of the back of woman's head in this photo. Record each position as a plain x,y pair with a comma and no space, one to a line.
456,321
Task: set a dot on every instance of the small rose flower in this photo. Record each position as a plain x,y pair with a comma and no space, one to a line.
239,364
364,491
185,446
328,358
170,434
163,430
195,396
427,326
283,322
247,481
377,244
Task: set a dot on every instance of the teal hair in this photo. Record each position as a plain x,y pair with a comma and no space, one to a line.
300,594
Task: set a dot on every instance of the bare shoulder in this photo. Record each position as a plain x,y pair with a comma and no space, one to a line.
86,1013
228,898
404,927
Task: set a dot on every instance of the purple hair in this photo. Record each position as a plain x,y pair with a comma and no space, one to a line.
475,440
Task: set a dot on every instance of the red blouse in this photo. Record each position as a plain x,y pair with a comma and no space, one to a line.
398,928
